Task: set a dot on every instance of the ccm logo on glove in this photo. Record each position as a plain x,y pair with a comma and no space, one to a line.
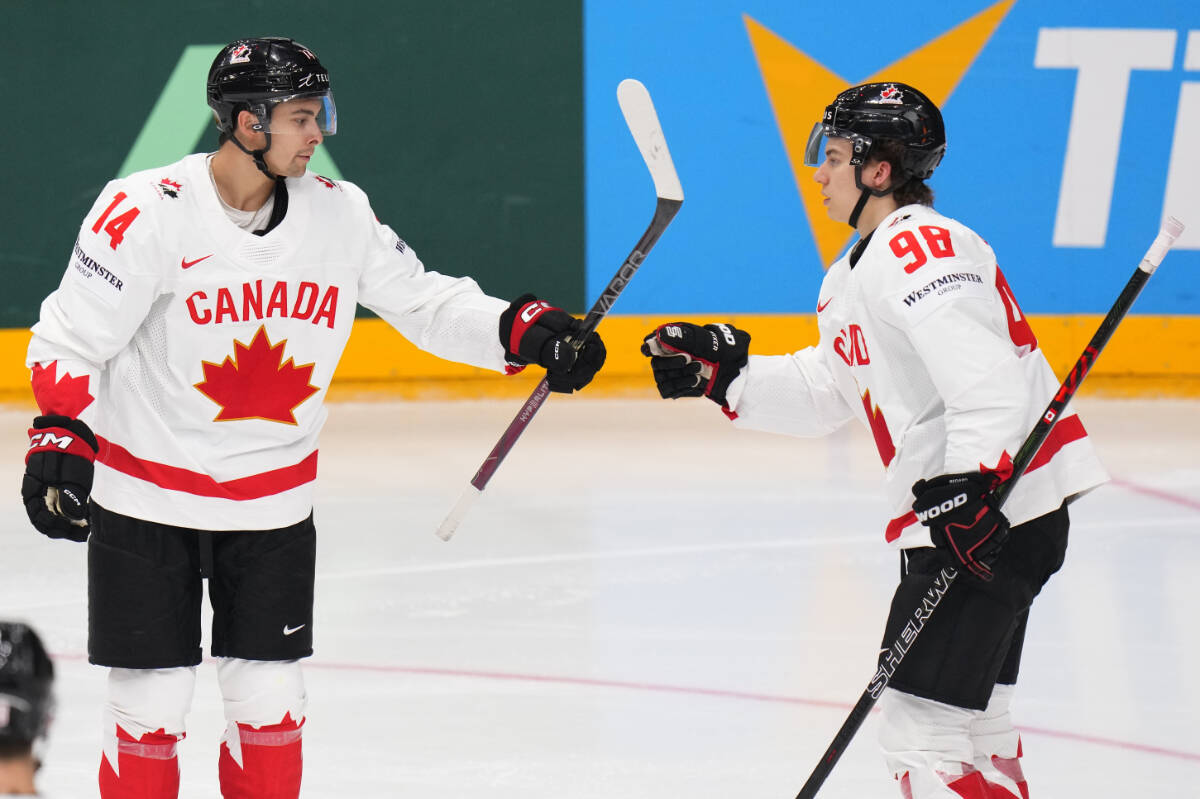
58,476
532,310
51,440
534,331
59,439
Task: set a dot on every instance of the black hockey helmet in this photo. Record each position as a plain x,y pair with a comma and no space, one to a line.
872,112
26,680
258,74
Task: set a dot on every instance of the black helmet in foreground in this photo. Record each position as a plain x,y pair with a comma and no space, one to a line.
873,112
258,74
26,681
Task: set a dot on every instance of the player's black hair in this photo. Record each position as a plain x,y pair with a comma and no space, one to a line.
913,191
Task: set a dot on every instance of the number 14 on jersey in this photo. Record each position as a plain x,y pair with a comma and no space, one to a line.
116,227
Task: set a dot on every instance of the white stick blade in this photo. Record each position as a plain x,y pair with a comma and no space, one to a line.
1170,230
1173,227
643,124
453,519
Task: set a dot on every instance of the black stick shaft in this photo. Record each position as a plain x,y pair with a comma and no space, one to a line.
664,212
1025,455
887,667
1037,436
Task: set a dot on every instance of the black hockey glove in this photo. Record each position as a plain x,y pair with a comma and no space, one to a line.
533,331
58,476
693,361
963,519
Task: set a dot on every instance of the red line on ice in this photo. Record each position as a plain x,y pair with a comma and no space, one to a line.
694,691
724,694
1166,496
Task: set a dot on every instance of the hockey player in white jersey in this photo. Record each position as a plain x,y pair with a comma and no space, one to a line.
921,340
183,364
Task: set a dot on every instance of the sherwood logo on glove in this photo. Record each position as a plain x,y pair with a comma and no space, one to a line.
726,334
945,507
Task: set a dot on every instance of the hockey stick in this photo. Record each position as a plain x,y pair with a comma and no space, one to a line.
639,114
1170,230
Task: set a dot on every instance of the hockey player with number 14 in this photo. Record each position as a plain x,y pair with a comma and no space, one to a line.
183,363
922,341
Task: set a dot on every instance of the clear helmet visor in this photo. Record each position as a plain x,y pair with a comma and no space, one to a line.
814,151
300,115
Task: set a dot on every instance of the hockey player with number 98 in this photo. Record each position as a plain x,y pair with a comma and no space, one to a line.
182,366
922,341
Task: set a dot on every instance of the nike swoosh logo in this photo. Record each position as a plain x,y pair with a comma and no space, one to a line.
823,305
289,630
185,263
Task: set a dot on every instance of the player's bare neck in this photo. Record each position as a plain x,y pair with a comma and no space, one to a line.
16,776
241,184
876,210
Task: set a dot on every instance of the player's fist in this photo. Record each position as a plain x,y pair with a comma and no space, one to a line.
693,361
533,331
58,476
963,519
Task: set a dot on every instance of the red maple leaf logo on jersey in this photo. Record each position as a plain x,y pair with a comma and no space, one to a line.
67,395
879,429
256,383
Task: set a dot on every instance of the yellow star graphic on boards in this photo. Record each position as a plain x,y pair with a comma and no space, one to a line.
799,88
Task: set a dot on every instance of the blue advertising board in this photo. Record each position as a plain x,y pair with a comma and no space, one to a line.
1073,129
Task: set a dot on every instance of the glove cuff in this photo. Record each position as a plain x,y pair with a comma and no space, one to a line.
734,355
510,331
63,435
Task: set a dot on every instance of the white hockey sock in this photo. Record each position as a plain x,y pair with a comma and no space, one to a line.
261,749
143,722
928,748
997,747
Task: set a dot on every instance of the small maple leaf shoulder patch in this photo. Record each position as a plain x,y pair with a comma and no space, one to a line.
256,383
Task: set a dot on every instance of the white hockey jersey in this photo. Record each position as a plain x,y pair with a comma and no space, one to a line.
200,354
923,342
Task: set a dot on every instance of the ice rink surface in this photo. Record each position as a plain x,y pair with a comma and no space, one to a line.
649,603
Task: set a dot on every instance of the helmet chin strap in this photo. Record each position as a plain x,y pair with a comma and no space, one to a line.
867,194
858,208
257,155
